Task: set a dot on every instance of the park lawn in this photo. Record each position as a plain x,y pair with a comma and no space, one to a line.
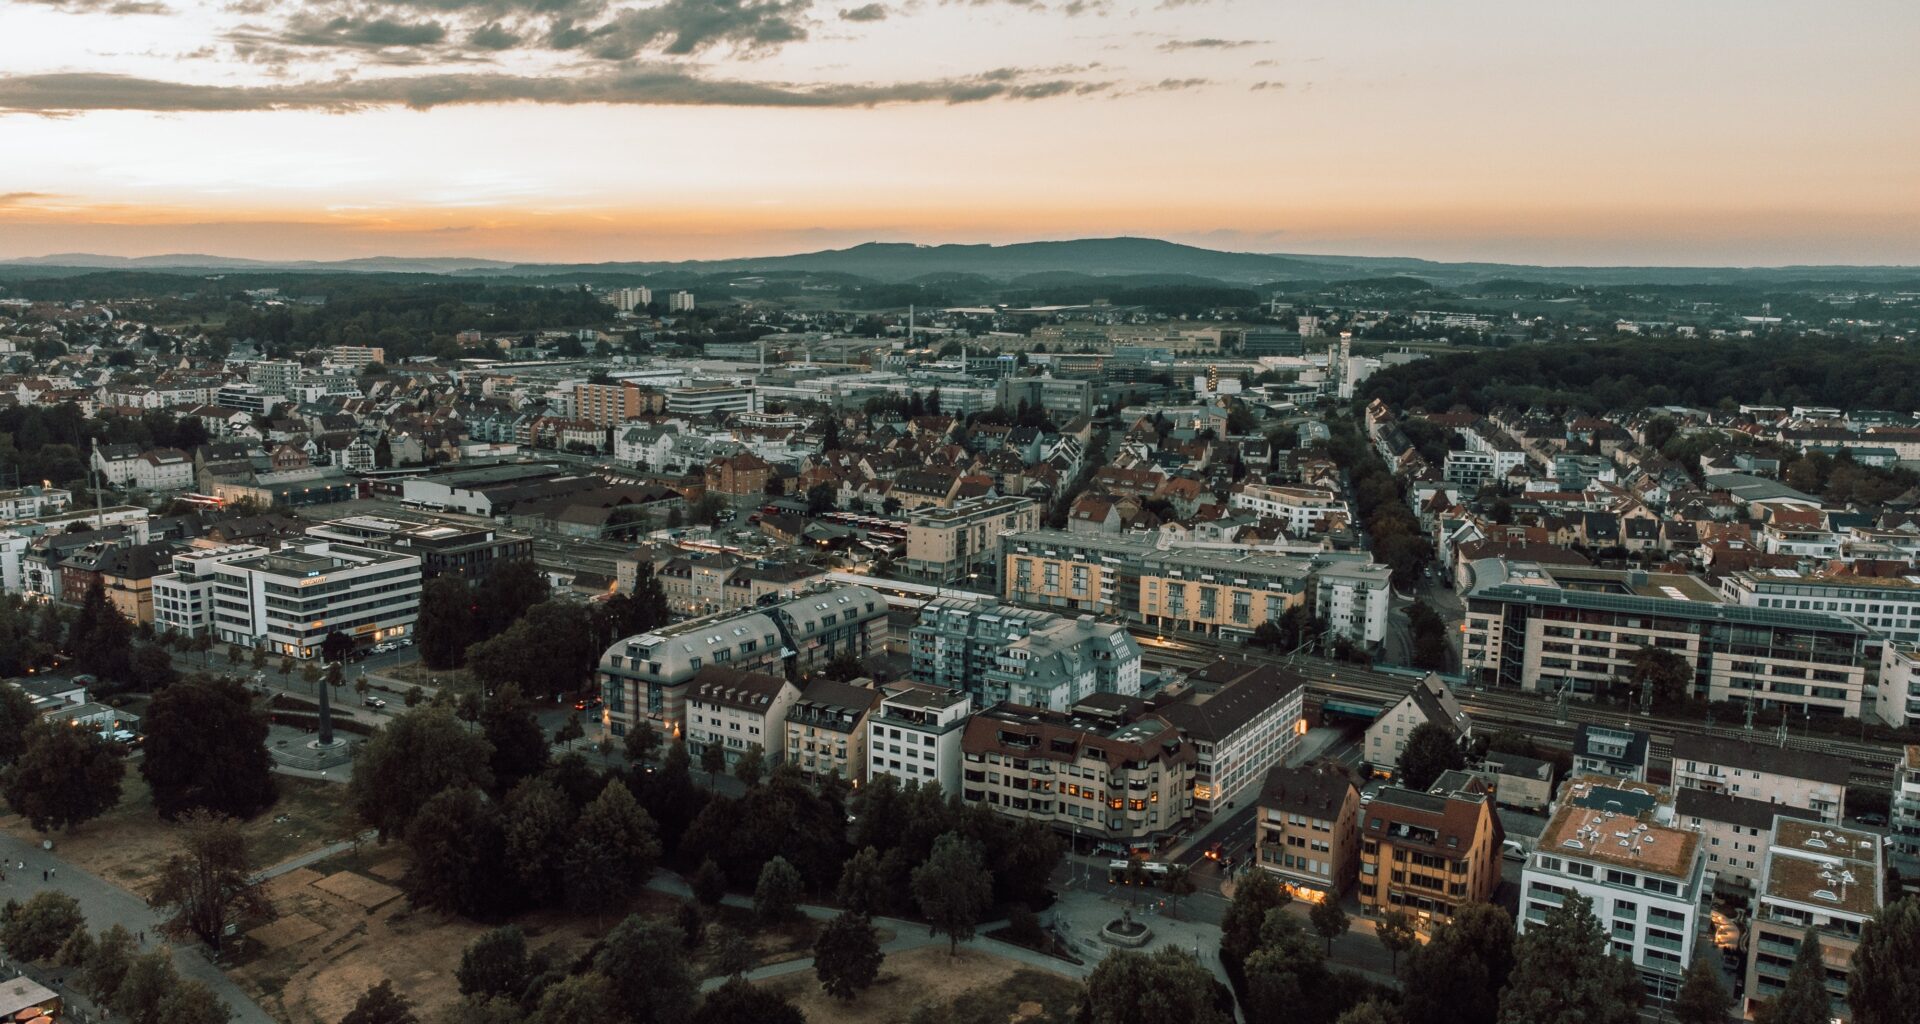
976,987
128,845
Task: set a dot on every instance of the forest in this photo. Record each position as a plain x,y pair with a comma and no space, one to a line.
1643,373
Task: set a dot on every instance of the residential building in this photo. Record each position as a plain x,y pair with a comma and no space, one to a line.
680,302
1243,720
1308,831
1614,843
1518,781
916,732
827,730
163,469
289,600
1735,831
1354,600
1426,854
1427,700
962,543
1903,819
1304,510
33,502
183,598
823,625
356,356
1615,753
610,404
1820,883
999,652
1108,770
739,710
1896,697
1578,629
1762,771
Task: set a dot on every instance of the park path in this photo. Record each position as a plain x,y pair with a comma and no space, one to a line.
906,935
105,905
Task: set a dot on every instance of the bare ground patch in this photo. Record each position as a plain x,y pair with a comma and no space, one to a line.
980,988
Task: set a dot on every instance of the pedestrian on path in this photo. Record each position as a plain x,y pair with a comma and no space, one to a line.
43,874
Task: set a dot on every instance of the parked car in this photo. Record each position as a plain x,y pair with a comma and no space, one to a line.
1872,818
374,702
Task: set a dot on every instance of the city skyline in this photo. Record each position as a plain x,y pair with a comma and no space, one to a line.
586,130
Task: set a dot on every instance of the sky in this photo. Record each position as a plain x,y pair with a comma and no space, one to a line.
1725,132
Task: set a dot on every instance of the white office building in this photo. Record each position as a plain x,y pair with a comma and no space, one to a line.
1614,843
183,598
290,599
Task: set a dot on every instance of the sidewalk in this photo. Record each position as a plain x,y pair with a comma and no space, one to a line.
105,905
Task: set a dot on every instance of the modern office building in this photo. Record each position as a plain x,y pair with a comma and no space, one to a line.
183,598
289,600
1428,853
915,734
1218,590
708,398
1887,605
443,547
1614,843
1243,720
1577,629
1308,831
999,652
1271,341
961,545
1107,770
1062,398
1820,883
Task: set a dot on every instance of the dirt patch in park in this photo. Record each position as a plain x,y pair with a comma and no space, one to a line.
128,845
977,987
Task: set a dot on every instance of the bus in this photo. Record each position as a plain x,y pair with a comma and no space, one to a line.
1153,872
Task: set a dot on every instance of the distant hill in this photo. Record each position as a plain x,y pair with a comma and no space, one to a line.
1019,264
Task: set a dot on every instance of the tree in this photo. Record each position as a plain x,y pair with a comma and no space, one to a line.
1431,750
614,850
580,999
77,949
709,883
1662,678
1456,978
448,615
751,766
1329,921
381,1005
1565,973
651,980
733,955
39,927
1703,997
776,897
152,668
63,777
1803,999
458,848
209,884
1885,985
99,638
1397,934
506,593
740,1002
713,760
1371,1011
641,741
190,1001
1178,883
520,748
410,760
1150,988
548,651
846,956
495,964
953,888
1253,898
106,967
538,819
569,731
206,747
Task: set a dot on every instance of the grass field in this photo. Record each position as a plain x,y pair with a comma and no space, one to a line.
974,987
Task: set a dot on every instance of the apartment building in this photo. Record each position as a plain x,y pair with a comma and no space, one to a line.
680,302
1468,468
1307,832
822,625
1428,853
739,710
183,597
1354,600
1243,720
1507,453
1896,697
356,356
1735,832
610,404
1577,629
1761,771
1108,769
1304,510
1820,883
1887,605
1615,753
1614,843
289,600
1903,821
999,652
827,730
915,734
1427,700
962,543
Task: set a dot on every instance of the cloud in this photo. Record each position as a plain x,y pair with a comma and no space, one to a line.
683,27
105,6
362,33
76,92
492,36
1265,86
1176,45
13,199
866,12
1175,84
